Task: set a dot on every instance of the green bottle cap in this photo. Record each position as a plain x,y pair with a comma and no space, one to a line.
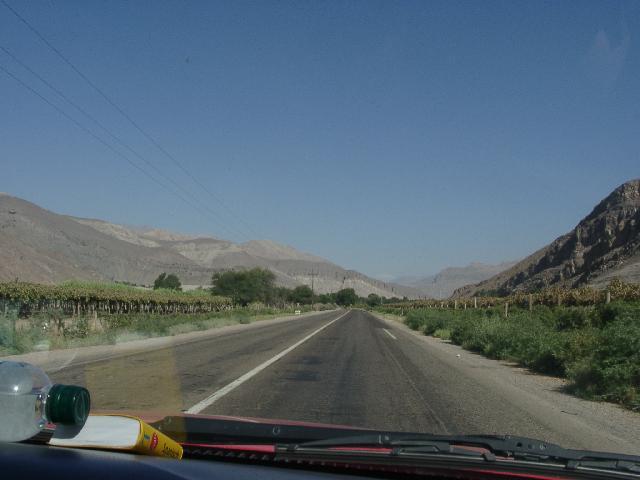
68,405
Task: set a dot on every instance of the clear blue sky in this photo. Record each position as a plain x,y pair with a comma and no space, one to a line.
390,137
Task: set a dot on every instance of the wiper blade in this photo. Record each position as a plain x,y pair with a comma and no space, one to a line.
322,441
489,447
495,443
417,442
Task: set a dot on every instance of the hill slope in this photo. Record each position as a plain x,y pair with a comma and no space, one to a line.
445,282
604,245
41,246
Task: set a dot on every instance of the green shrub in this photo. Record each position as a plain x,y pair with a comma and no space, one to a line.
612,369
596,348
243,317
443,334
414,319
572,318
608,313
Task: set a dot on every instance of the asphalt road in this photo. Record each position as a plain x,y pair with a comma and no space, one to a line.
356,369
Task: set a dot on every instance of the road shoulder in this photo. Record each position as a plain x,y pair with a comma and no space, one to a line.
54,360
540,395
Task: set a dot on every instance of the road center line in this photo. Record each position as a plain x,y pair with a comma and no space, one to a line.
211,399
390,334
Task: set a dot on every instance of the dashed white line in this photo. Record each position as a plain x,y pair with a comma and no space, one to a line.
214,397
390,334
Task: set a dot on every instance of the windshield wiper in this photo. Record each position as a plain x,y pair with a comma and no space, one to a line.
486,448
296,441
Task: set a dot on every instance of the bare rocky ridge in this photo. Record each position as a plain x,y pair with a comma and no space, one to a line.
41,246
603,246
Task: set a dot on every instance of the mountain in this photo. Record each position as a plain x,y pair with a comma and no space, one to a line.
604,245
41,246
445,282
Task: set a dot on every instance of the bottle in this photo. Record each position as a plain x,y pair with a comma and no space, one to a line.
28,401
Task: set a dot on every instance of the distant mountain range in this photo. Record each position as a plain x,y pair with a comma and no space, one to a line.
41,246
445,282
604,245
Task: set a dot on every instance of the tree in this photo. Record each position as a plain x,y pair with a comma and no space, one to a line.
159,282
374,300
279,296
327,298
346,297
301,294
244,286
171,282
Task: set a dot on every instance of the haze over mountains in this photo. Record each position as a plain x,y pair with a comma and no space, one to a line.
41,246
604,245
445,282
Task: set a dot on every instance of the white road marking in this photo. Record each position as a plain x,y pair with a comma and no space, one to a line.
390,334
214,397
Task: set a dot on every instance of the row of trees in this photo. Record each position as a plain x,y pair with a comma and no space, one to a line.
169,282
258,285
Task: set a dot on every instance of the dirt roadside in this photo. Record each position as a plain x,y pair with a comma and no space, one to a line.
597,424
54,360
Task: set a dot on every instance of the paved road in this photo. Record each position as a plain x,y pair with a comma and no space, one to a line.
353,368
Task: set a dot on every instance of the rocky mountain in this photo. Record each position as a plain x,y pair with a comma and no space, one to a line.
445,282
604,245
41,246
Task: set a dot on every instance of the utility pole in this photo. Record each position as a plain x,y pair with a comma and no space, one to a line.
313,276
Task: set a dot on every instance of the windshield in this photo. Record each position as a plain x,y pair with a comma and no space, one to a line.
400,216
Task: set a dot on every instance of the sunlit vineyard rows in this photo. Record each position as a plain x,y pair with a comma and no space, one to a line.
81,298
617,290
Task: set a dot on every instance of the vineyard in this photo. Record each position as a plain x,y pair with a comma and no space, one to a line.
589,337
77,299
554,296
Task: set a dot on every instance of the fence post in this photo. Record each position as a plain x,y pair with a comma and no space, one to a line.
455,304
608,299
530,302
506,309
475,302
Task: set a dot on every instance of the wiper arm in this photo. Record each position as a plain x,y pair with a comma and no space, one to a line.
395,442
296,440
381,440
489,447
498,444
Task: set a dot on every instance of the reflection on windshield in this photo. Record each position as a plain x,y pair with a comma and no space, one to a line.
385,216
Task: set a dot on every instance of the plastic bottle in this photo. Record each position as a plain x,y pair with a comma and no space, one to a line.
28,401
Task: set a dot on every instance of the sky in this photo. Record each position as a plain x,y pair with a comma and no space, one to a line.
395,138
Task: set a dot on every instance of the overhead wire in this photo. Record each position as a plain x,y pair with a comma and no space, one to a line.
167,178
100,140
135,124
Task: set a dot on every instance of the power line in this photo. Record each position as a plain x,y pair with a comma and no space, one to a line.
99,139
128,117
121,142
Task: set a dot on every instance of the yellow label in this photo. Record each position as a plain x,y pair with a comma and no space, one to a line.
154,442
